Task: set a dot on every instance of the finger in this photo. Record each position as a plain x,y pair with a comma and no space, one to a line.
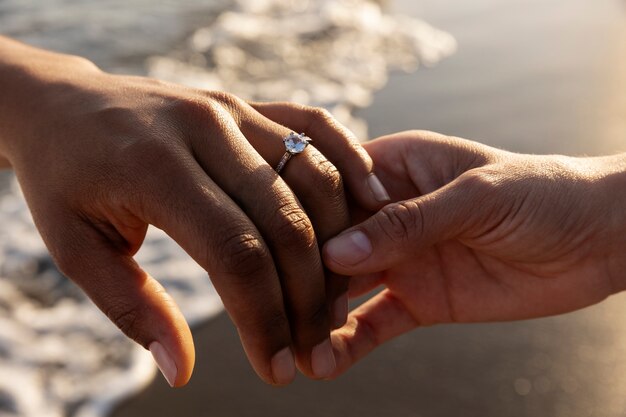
228,158
380,319
416,162
337,143
317,185
363,284
319,188
132,299
399,230
208,225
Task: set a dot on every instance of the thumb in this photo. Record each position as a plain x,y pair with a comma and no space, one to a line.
398,231
131,298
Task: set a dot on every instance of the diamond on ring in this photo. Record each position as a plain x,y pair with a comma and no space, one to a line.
294,144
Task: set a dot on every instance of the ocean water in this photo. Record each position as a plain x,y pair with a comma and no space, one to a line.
538,76
59,356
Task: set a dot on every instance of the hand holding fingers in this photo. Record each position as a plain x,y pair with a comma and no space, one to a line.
396,232
481,235
315,181
313,178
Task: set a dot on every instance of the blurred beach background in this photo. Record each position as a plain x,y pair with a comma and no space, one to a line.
535,76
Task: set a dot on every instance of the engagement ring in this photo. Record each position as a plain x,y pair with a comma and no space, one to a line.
294,144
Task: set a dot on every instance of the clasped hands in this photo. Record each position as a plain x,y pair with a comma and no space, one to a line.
452,230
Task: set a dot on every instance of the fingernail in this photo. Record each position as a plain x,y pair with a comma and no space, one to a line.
323,359
164,362
340,310
349,248
377,188
283,367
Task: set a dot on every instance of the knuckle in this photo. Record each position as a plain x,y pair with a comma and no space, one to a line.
400,221
155,82
322,123
127,318
482,181
320,114
82,62
328,180
229,103
190,106
228,100
294,227
198,111
320,120
141,82
356,149
244,255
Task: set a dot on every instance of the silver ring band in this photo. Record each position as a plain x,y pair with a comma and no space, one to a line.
283,161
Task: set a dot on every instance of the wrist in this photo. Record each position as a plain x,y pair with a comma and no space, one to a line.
29,78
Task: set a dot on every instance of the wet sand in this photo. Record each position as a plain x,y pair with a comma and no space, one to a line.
567,366
530,76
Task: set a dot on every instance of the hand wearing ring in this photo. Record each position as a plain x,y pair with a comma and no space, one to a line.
125,152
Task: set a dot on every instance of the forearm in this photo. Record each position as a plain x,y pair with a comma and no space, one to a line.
25,75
